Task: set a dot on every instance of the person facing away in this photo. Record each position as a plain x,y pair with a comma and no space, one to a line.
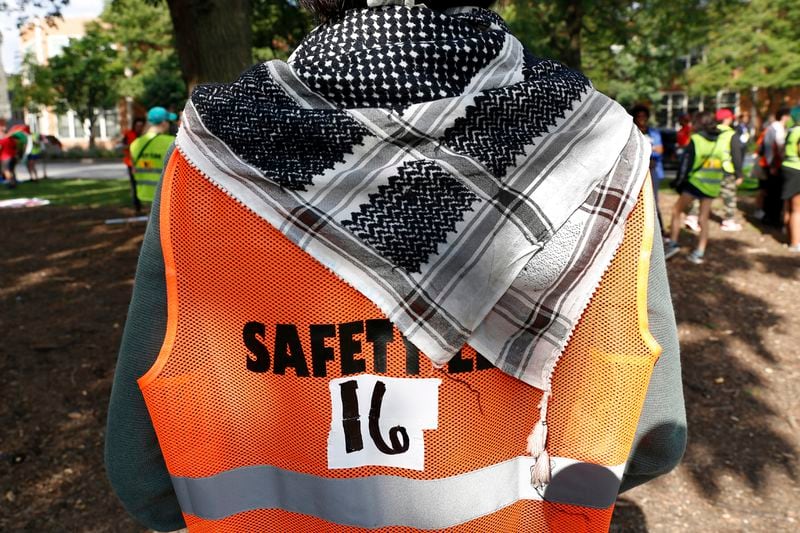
730,182
790,193
378,289
683,137
128,136
8,153
12,147
33,152
149,151
731,179
771,150
707,164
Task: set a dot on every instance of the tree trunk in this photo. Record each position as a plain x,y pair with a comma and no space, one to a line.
573,17
91,136
213,39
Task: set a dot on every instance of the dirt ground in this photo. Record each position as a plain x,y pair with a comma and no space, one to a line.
65,281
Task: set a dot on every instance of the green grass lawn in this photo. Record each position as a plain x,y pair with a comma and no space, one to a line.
79,192
94,193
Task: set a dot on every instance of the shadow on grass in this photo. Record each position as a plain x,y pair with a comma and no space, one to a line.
731,426
90,193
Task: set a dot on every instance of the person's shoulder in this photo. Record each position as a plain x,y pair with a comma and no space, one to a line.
655,133
138,141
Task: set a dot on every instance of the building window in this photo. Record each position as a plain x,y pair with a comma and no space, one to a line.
79,129
56,43
111,118
729,100
673,105
64,129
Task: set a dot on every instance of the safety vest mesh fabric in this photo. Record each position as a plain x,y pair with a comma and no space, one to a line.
792,158
148,153
36,144
711,161
226,266
726,137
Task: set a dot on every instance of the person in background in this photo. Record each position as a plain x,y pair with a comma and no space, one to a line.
12,147
148,152
700,176
6,156
771,151
283,138
641,117
128,136
32,153
733,174
732,178
742,129
790,193
684,136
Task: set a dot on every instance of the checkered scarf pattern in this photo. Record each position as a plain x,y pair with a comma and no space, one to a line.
473,192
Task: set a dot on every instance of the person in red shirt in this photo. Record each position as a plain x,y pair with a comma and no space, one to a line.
685,133
128,136
8,156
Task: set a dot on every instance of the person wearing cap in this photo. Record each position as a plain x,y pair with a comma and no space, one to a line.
148,153
791,182
708,162
734,174
730,182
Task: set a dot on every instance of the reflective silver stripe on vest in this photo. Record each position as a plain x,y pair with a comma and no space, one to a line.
381,501
146,182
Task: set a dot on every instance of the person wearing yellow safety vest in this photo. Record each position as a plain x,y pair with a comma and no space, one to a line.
33,151
731,181
791,182
148,152
703,168
411,279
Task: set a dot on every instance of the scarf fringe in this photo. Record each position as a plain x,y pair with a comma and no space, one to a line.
537,446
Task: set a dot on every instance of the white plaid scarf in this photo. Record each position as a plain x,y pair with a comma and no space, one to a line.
475,193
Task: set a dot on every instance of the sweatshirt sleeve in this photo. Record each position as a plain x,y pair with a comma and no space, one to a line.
686,164
737,154
769,143
134,463
661,434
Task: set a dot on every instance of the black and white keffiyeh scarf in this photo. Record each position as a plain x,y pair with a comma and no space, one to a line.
476,194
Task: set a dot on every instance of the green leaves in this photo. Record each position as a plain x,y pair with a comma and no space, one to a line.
278,26
634,50
754,44
146,53
82,75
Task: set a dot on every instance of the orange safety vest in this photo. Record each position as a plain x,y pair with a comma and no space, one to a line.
284,400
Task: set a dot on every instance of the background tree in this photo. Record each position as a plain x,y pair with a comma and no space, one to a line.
630,50
278,27
213,38
81,78
146,52
31,88
755,44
